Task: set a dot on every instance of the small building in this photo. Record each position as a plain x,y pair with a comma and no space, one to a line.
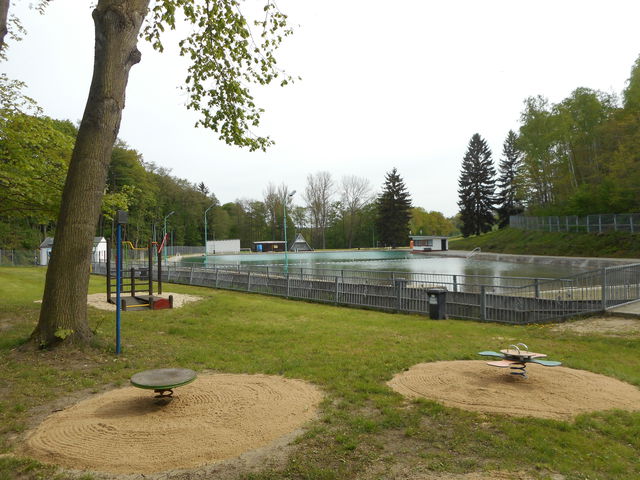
428,243
99,253
223,246
269,246
300,245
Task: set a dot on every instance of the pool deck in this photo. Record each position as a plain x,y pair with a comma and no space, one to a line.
584,262
631,310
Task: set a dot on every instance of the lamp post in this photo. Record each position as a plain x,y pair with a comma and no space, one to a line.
205,231
286,244
164,232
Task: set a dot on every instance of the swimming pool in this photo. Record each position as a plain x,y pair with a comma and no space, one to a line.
389,260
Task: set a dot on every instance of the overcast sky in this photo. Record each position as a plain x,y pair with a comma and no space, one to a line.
385,84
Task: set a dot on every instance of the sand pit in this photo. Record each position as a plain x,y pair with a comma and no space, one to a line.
99,300
219,416
558,393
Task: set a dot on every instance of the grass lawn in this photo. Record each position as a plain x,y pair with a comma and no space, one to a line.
365,429
513,240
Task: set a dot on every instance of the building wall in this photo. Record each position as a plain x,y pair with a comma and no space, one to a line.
223,246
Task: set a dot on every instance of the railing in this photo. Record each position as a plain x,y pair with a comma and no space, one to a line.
628,222
473,252
515,300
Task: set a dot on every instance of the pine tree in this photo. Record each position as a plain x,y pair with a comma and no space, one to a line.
507,199
394,211
476,188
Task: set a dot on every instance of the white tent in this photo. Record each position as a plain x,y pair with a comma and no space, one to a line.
300,245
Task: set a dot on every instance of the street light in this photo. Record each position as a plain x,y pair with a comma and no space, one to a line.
205,231
286,245
164,233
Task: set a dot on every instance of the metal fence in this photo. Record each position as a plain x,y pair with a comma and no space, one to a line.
515,300
628,222
18,258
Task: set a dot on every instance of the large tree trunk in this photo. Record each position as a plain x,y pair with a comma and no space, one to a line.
63,316
4,18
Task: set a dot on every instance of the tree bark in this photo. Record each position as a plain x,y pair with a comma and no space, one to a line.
63,315
4,18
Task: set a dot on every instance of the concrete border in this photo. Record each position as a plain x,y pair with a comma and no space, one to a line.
583,262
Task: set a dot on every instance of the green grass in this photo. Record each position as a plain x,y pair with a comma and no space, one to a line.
348,353
512,240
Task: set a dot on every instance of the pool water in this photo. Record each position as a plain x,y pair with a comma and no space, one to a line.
397,261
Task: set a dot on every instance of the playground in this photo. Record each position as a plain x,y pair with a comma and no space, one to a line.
369,394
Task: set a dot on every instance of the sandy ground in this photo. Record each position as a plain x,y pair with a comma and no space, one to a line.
549,392
612,326
217,417
99,300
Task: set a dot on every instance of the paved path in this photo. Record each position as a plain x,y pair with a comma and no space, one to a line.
628,310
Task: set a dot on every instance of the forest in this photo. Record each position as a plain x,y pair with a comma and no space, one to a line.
34,157
577,157
581,156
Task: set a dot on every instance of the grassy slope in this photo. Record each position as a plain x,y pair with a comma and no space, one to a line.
511,240
350,354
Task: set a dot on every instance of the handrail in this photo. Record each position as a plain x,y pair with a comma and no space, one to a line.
474,252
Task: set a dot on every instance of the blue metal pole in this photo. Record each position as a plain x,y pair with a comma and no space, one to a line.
118,283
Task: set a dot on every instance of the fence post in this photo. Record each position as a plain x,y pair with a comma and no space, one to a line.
483,303
455,283
217,271
599,223
191,276
615,223
133,282
248,281
604,289
536,285
336,293
631,222
288,285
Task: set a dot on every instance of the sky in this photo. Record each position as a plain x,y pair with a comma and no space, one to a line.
385,84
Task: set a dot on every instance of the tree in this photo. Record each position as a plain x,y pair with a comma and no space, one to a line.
476,188
393,211
224,60
355,194
430,223
318,194
508,199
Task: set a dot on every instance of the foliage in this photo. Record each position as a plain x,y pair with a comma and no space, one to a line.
430,223
225,57
508,199
394,211
34,157
476,188
581,155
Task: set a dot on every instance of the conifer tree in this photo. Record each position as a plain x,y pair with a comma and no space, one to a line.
507,199
476,188
394,211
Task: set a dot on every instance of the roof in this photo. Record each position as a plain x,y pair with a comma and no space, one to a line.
48,242
426,237
269,241
300,244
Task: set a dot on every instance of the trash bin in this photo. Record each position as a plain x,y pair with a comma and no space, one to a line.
437,303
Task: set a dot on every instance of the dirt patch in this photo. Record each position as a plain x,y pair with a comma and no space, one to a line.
549,392
217,417
611,326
